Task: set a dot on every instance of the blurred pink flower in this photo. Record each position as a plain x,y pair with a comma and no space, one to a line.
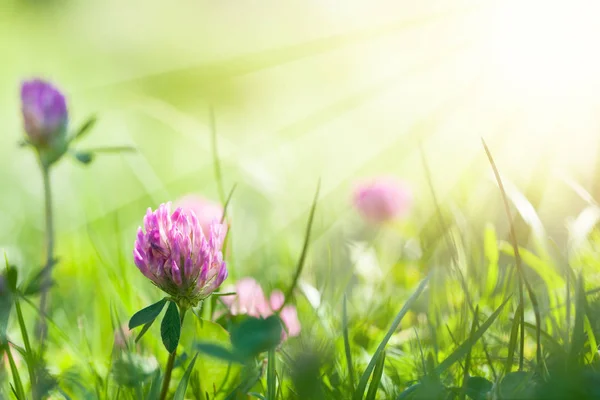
121,336
382,199
250,300
173,252
206,211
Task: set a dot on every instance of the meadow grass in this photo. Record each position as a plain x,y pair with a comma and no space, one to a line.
465,297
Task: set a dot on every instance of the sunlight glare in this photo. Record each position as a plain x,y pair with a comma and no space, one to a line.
546,49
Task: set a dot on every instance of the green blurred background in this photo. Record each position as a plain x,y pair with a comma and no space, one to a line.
302,90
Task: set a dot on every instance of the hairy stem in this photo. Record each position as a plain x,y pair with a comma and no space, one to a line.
42,327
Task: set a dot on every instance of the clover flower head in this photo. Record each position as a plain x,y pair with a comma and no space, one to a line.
44,110
177,256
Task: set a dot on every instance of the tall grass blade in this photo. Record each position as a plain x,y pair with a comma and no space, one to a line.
183,384
347,349
18,385
29,358
578,336
302,259
468,357
512,343
522,278
362,383
215,153
465,347
377,373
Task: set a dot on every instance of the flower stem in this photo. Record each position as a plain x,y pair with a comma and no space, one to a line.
170,362
271,376
42,327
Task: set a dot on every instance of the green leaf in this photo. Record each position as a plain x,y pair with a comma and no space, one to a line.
11,275
147,314
477,388
362,384
144,330
465,347
183,384
85,128
37,284
253,336
84,157
377,373
170,328
217,351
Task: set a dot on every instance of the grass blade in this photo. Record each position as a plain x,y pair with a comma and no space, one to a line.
28,351
300,265
183,384
578,337
18,385
362,383
226,205
377,373
215,153
468,357
512,343
154,391
522,277
347,344
465,347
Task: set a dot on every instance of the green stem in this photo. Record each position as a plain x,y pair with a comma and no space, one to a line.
271,376
27,344
42,327
170,362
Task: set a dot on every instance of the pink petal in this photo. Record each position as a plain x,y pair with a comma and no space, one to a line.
289,316
277,299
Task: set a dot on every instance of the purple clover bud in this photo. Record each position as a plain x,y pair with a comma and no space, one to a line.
174,253
45,115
